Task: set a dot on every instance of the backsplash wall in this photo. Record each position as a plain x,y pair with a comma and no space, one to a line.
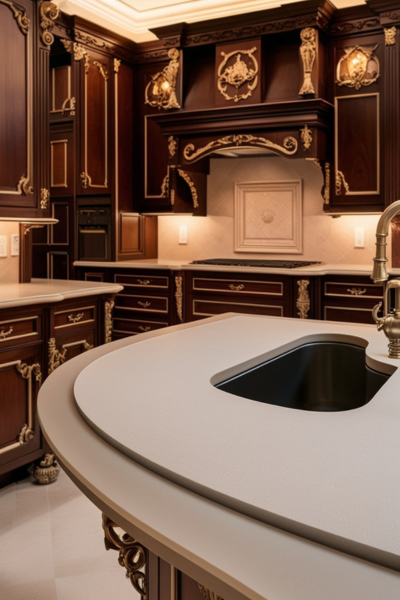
327,239
9,265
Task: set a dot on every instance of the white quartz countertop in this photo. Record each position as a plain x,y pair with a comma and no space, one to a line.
329,477
51,290
251,500
322,269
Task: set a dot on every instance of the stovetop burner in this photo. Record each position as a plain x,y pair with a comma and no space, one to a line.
242,262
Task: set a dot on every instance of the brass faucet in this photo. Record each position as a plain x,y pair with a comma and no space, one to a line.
390,322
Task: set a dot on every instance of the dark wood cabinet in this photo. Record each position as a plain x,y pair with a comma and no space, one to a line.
349,298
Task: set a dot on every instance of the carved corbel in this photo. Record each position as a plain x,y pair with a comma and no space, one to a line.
308,52
48,13
191,185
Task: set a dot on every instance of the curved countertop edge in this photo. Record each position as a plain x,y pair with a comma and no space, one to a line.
175,265
41,291
246,559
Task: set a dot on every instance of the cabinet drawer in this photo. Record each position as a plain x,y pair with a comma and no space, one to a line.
238,286
348,314
208,308
82,317
123,327
145,281
14,332
142,303
64,347
352,290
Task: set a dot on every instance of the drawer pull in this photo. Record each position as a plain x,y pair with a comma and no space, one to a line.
356,291
75,319
236,288
142,328
143,281
144,304
4,334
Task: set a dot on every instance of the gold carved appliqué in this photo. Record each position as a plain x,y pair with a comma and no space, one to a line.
308,53
237,74
390,36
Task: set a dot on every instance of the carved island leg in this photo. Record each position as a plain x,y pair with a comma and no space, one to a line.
208,594
132,555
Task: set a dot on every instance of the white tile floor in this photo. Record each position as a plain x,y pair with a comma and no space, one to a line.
52,548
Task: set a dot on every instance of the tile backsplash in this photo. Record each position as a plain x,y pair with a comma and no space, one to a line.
9,265
326,239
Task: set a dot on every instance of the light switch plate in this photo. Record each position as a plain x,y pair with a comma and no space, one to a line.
183,234
3,246
359,237
15,244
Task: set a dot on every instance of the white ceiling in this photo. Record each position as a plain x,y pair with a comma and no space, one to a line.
134,18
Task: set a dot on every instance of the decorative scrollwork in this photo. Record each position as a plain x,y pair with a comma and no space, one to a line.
308,53
19,15
108,323
117,64
179,297
339,182
237,74
303,299
191,185
26,435
172,145
165,186
390,36
4,334
44,198
358,67
56,358
306,137
101,69
236,287
76,318
132,555
24,186
327,183
85,179
357,291
161,90
74,48
48,13
290,145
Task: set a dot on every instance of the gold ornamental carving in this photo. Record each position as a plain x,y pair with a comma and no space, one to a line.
24,186
47,470
179,297
191,185
308,52
306,137
85,180
290,145
165,186
357,291
108,324
341,182
48,13
237,74
117,64
208,594
132,555
316,162
390,36
19,15
303,299
160,92
56,358
327,183
172,146
44,198
74,48
101,69
172,197
358,67
4,334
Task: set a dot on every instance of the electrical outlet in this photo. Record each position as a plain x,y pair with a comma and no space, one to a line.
359,237
183,234
15,244
3,246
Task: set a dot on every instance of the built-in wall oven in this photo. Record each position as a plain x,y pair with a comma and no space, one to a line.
94,232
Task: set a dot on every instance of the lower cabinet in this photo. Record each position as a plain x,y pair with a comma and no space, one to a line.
349,298
34,341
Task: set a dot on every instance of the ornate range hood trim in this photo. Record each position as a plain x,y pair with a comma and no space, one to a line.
288,148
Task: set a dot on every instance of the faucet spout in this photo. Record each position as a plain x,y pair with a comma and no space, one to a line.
379,272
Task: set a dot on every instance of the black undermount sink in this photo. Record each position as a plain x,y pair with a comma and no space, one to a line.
320,376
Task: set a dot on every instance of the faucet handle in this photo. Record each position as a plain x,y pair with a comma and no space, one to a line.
380,321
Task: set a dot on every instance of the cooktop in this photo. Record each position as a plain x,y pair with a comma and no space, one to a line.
243,262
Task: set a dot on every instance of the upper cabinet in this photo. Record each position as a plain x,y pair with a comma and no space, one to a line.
25,40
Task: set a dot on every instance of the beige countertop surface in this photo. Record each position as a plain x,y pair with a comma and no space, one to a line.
50,290
253,500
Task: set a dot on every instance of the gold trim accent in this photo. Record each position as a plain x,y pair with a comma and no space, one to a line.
144,281
390,36
327,176
4,334
316,162
64,184
191,185
160,92
172,197
237,74
335,295
108,322
57,357
75,319
71,108
356,291
146,193
76,49
290,145
303,299
352,69
172,146
179,297
48,13
306,137
102,70
85,180
144,329
236,288
132,555
144,304
24,187
339,182
208,594
165,186
44,198
117,64
47,470
308,52
19,15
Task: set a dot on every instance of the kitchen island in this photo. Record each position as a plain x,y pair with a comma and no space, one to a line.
250,500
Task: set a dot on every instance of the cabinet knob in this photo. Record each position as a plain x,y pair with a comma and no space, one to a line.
144,304
4,334
236,287
76,318
356,291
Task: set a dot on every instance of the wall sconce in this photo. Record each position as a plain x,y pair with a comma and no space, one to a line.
161,90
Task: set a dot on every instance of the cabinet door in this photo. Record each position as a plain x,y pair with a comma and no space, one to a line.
17,186
20,378
95,109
